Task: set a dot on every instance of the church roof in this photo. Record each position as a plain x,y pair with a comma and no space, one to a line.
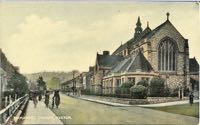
141,63
147,33
154,31
133,40
120,48
133,63
157,29
108,60
193,65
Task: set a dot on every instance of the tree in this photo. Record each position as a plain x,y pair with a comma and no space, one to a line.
127,84
124,89
143,82
41,83
18,83
138,92
157,87
53,83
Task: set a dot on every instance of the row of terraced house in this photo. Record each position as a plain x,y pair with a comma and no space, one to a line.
159,52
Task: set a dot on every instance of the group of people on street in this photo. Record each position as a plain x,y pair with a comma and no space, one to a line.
55,98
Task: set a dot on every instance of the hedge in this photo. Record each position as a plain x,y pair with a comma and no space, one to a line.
138,92
157,87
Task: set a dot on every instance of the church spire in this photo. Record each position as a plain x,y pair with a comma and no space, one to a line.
138,28
138,22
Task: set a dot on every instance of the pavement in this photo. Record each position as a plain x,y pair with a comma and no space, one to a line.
40,115
144,105
105,102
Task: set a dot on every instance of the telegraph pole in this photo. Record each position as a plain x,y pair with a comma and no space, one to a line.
73,83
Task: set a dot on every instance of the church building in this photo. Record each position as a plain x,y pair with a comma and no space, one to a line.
160,52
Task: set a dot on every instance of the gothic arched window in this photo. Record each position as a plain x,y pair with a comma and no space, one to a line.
167,56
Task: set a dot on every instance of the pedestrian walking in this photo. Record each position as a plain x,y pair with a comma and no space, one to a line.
191,98
56,99
53,102
35,101
47,98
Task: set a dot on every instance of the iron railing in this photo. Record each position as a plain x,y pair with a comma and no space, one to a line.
8,112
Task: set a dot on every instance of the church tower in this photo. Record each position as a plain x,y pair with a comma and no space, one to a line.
138,28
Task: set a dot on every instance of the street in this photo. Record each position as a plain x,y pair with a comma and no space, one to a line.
85,112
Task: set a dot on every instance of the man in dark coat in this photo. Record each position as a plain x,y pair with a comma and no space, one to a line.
47,98
35,101
56,99
191,97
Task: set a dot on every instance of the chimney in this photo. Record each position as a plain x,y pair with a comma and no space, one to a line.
105,53
91,68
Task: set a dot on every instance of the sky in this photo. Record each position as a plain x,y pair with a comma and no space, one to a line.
62,36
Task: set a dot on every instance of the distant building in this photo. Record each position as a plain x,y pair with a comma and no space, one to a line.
90,77
76,84
67,86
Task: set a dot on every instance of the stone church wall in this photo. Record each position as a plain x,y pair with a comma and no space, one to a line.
169,31
175,81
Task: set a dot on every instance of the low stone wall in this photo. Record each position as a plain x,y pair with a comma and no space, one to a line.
153,100
149,100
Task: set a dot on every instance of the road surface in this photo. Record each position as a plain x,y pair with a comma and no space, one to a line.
86,112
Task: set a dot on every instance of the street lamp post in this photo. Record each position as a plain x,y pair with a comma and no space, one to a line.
180,91
1,83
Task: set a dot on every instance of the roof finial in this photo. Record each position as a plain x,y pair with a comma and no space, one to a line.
168,15
147,23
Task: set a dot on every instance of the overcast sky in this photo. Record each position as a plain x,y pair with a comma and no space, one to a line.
61,36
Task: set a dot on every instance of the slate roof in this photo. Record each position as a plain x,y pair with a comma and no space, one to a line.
154,31
143,35
147,33
157,29
108,60
132,64
193,65
134,40
141,63
120,48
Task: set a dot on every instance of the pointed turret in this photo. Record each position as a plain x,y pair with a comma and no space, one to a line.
138,28
147,29
138,22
